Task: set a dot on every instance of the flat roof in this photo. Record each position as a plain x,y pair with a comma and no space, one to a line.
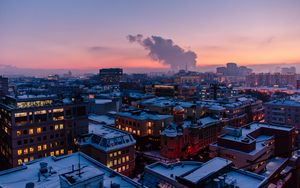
142,115
176,169
102,119
208,168
20,176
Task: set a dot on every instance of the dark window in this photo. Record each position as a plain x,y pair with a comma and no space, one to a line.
25,131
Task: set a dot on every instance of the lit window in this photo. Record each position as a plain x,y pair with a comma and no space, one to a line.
21,114
123,168
123,159
115,162
119,152
52,153
20,161
61,126
26,151
111,155
62,151
56,127
39,148
70,151
44,146
127,158
39,130
109,164
119,161
30,131
115,154
19,152
31,158
25,160
31,149
58,110
57,152
6,129
18,133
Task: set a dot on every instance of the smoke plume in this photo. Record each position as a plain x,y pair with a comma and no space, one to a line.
166,52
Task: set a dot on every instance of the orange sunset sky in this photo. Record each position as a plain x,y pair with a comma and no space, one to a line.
55,34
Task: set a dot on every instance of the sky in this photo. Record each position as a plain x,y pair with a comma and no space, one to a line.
90,34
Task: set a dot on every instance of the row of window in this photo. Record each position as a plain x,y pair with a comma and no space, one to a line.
122,169
117,153
25,151
39,130
118,161
56,153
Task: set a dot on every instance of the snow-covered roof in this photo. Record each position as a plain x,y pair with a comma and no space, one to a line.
142,115
20,176
102,101
174,169
286,102
207,169
102,119
106,138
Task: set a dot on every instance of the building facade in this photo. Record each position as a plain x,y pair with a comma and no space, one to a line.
39,126
111,147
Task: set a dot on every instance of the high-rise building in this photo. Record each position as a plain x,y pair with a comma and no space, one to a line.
111,76
38,126
3,86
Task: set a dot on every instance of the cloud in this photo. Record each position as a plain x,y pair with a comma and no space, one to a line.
166,52
97,49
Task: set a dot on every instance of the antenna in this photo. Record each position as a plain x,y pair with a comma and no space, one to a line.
79,164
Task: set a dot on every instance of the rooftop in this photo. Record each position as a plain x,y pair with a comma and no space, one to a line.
20,176
286,102
106,138
142,115
102,119
207,169
174,169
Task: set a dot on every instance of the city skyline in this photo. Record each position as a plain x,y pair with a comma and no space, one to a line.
85,36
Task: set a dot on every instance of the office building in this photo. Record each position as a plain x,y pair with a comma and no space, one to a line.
36,126
112,147
75,170
144,126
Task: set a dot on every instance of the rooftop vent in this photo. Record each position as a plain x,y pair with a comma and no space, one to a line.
29,185
43,167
